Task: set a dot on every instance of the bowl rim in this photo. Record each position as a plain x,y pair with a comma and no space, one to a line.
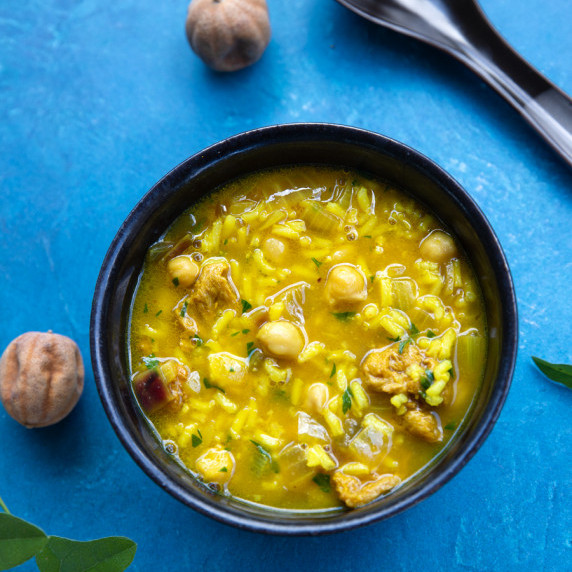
243,143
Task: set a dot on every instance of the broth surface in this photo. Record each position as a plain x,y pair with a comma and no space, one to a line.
306,338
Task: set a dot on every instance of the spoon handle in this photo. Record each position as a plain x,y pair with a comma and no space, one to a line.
547,108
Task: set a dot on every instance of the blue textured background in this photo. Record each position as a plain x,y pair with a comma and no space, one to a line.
99,99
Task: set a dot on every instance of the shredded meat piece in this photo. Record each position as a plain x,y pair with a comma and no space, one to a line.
422,424
212,291
385,370
355,493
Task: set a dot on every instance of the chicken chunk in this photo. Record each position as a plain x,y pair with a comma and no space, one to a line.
423,425
354,493
386,370
212,291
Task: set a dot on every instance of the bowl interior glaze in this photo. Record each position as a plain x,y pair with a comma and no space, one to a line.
276,146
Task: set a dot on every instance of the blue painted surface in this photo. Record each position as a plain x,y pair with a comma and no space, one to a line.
99,99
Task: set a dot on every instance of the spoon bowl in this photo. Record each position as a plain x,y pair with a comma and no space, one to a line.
460,28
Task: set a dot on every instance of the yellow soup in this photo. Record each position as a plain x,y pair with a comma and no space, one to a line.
306,338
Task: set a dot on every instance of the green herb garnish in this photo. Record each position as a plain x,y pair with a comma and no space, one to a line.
403,344
223,470
394,339
234,334
196,440
431,334
317,262
245,331
158,313
343,316
323,481
333,371
451,426
175,281
145,309
198,340
249,348
266,456
246,306
21,541
346,401
150,361
372,278
367,235
560,373
210,385
413,329
184,309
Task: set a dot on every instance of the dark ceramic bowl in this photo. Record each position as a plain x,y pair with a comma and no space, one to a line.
271,147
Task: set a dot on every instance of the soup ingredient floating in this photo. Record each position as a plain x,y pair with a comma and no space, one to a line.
306,338
41,378
228,35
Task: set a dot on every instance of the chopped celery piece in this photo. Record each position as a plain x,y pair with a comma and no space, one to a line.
471,349
319,219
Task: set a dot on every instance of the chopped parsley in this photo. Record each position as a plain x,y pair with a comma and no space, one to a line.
158,313
560,373
413,329
246,306
402,345
333,371
223,470
145,309
372,278
175,281
151,361
323,481
343,316
317,262
431,334
210,385
367,235
346,401
427,380
249,348
266,456
234,334
245,331
198,341
451,426
184,309
394,339
196,440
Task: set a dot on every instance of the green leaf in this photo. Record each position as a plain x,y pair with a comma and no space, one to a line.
112,554
196,440
402,345
413,329
19,541
343,316
184,309
175,281
208,385
431,334
266,456
317,262
323,481
150,361
346,401
560,373
333,371
246,306
450,426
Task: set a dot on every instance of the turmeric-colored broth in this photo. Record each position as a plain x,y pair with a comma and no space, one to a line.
306,338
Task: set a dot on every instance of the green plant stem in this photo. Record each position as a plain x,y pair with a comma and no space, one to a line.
4,507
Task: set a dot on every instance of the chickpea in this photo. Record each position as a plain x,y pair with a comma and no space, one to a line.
438,247
281,339
211,465
317,397
345,284
184,269
273,250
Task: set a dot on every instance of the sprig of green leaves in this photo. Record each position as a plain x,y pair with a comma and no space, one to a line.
20,541
560,373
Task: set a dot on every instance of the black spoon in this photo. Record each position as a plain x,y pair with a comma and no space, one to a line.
460,28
